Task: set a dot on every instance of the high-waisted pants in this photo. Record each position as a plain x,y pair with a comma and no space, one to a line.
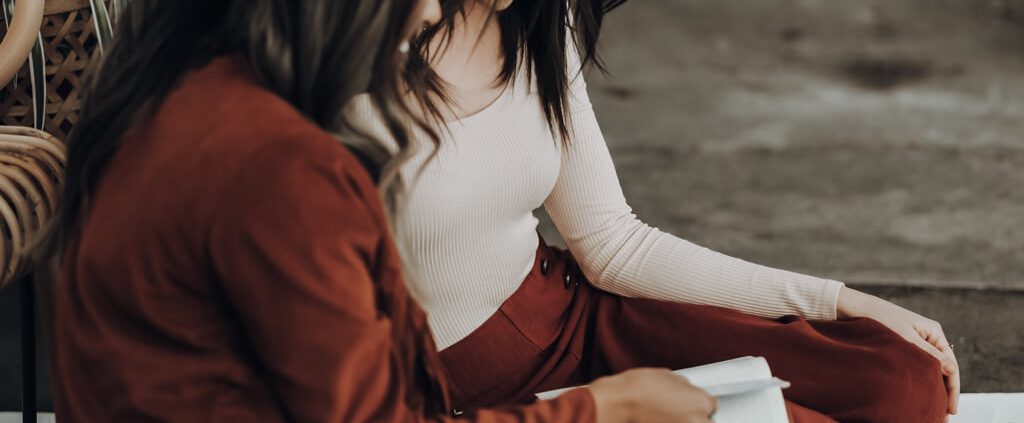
558,331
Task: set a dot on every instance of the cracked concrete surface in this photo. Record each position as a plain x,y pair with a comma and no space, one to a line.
880,143
870,141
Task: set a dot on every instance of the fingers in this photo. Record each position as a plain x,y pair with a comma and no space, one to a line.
712,405
939,340
951,368
952,380
951,373
708,404
935,343
953,391
948,364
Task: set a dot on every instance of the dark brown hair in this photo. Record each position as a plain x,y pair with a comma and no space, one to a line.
353,50
534,39
315,54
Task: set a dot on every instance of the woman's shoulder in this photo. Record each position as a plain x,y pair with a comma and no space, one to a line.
236,119
250,141
223,104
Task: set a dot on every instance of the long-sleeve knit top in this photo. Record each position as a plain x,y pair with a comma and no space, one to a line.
470,222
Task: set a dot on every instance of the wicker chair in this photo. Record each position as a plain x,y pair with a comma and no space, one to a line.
47,93
61,40
31,161
31,174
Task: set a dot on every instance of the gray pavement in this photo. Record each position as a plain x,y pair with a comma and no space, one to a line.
869,141
880,143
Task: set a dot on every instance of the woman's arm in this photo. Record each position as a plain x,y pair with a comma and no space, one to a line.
621,254
293,246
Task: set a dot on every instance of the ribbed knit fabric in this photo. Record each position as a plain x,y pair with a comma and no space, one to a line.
469,221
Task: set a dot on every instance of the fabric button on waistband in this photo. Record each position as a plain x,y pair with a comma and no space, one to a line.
567,280
544,267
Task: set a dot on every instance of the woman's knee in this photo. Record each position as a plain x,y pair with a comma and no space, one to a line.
907,385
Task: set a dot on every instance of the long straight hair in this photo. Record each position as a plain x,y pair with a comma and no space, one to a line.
314,54
535,38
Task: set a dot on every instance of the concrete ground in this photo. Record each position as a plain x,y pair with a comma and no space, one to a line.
878,142
871,141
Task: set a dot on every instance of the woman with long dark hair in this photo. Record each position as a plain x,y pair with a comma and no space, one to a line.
513,316
226,259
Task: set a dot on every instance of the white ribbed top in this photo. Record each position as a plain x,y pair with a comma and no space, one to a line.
469,221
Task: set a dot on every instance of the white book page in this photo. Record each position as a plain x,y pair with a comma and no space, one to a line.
736,370
764,406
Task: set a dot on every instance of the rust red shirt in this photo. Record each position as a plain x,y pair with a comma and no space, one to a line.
236,265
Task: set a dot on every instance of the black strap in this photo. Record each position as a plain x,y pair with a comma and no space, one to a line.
28,349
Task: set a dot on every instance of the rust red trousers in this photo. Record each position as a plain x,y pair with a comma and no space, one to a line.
558,331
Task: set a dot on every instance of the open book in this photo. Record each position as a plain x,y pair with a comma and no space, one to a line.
744,387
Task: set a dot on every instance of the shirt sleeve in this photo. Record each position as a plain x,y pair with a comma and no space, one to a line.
620,254
293,244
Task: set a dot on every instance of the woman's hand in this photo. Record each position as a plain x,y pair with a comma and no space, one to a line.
917,329
651,395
